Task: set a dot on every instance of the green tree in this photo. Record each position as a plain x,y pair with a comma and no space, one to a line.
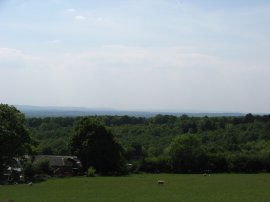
135,151
186,154
95,146
14,137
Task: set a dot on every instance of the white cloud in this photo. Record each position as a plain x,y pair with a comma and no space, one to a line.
9,52
71,10
80,17
14,58
99,21
125,57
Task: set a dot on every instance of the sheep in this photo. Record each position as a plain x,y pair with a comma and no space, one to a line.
161,181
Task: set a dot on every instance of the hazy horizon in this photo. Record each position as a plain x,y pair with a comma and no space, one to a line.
130,109
206,56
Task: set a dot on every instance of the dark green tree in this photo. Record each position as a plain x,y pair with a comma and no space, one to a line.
14,138
135,151
187,154
95,146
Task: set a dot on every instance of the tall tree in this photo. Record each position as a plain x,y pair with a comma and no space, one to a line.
186,154
14,137
95,146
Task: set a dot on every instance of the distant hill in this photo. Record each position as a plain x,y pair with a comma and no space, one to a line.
37,111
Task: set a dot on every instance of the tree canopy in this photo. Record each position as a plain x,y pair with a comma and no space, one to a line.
186,154
226,144
96,147
14,137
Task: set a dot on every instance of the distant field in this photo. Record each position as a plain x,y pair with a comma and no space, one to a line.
186,188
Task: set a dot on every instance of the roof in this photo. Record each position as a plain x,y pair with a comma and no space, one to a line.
59,161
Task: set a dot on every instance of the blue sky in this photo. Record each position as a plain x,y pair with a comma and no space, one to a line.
142,55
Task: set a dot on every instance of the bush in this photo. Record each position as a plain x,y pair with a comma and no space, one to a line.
29,171
43,166
156,164
91,172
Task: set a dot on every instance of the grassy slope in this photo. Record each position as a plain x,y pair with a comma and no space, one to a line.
217,187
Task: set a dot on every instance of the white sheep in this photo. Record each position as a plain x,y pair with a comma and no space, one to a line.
161,181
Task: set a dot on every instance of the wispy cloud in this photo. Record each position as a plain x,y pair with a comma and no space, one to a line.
80,18
71,10
124,57
13,58
9,52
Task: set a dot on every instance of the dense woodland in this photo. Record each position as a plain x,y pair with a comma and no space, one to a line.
166,143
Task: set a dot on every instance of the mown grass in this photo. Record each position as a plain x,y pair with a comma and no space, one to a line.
186,188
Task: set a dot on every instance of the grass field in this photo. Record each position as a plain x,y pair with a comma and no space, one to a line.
186,188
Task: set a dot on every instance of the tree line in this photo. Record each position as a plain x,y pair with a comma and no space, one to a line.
167,143
163,143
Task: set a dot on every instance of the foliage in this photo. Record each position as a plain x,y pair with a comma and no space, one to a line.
91,172
225,144
43,166
28,171
186,154
14,137
95,146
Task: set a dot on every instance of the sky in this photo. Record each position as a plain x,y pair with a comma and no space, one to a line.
172,55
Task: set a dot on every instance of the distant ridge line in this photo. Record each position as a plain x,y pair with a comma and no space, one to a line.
38,111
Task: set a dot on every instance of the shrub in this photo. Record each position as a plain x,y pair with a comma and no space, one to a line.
91,172
43,166
28,171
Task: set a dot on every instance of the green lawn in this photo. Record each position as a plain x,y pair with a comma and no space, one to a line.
217,187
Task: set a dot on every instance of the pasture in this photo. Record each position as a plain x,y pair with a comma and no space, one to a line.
144,187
